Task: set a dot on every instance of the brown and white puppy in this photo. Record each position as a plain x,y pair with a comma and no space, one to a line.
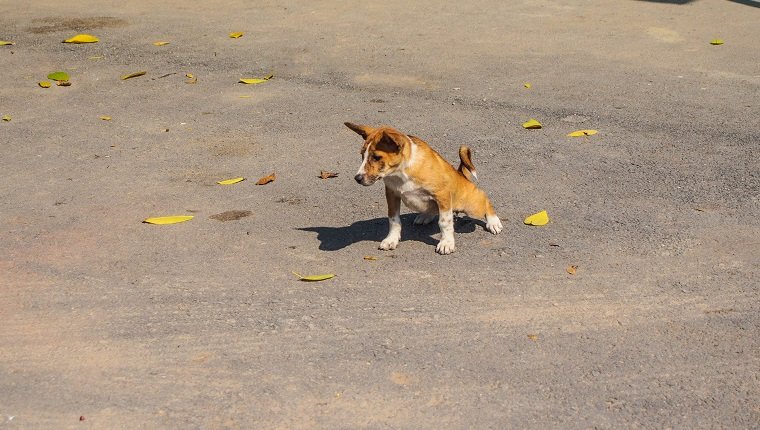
417,175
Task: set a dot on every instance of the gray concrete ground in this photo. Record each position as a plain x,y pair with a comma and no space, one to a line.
203,324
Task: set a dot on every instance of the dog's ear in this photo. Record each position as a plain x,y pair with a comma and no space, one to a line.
392,142
362,130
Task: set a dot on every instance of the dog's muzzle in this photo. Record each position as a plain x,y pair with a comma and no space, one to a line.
364,180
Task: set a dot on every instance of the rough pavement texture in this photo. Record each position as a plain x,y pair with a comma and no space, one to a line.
203,325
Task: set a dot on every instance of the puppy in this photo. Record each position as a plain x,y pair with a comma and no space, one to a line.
417,175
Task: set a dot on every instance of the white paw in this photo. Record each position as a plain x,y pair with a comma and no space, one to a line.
423,219
493,224
445,246
388,244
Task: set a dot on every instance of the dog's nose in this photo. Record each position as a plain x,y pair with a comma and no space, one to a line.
359,178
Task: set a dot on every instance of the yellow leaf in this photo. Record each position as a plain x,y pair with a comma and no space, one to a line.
132,75
5,42
160,43
533,337
245,97
168,219
7,118
266,179
532,124
716,42
572,269
236,35
540,218
95,57
44,84
191,79
105,118
231,181
82,38
370,257
313,278
580,133
528,85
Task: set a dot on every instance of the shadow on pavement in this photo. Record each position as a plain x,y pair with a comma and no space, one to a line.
374,230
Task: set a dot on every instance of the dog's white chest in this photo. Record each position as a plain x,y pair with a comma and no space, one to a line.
414,197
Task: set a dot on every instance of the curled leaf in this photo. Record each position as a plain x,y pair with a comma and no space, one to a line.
266,179
191,79
532,124
82,38
160,43
528,85
44,84
572,269
231,181
314,278
716,42
63,83
370,257
5,43
255,80
327,175
236,35
540,218
58,76
132,75
6,118
105,118
580,133
168,219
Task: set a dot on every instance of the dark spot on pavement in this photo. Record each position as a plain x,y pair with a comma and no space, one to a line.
231,215
54,23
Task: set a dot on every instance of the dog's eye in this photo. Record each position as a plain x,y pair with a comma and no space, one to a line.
376,157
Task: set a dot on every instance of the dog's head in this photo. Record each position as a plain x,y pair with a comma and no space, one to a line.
382,153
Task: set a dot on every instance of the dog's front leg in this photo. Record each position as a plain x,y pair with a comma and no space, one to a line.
446,223
394,220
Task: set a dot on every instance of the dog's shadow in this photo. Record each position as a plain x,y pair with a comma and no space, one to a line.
375,230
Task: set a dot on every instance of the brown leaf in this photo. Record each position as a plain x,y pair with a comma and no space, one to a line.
533,337
266,179
572,269
370,257
327,175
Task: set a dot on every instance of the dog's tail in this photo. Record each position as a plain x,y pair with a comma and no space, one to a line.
466,168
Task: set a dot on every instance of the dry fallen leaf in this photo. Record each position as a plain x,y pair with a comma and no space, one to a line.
528,85
245,96
6,118
44,84
370,257
236,35
105,118
191,79
533,337
168,219
231,181
63,83
255,80
95,57
327,175
581,133
313,278
532,124
160,43
540,218
82,38
572,269
132,75
266,179
716,42
5,42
